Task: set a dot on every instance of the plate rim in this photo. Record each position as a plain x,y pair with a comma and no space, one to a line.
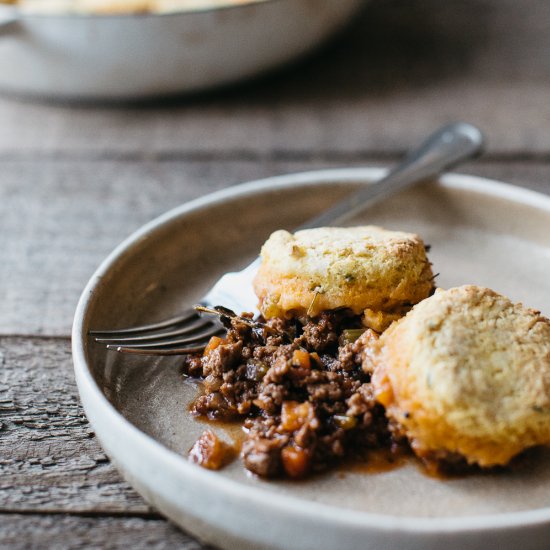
16,12
235,489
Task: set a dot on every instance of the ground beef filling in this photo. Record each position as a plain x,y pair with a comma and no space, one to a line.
301,388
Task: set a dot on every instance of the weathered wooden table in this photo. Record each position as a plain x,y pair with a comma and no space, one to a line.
76,180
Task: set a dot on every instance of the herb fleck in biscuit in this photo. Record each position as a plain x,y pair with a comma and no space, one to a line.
366,269
467,372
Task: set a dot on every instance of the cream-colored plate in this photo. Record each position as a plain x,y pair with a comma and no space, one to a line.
481,232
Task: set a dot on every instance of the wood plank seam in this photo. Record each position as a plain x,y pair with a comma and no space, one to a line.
275,155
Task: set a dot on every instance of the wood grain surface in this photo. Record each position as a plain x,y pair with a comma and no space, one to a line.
73,532
54,462
75,180
61,218
403,68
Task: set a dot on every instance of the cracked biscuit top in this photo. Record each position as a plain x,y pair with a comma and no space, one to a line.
367,269
467,373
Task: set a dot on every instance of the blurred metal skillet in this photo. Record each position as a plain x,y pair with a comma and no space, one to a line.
111,57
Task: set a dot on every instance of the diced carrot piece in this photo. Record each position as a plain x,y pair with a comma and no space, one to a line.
295,461
384,393
210,452
294,415
300,358
213,343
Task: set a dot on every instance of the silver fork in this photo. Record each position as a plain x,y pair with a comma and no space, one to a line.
190,332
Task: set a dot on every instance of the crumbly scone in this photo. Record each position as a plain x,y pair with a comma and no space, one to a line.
367,269
467,372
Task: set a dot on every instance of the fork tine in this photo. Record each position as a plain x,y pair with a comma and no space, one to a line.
185,317
186,329
160,352
166,344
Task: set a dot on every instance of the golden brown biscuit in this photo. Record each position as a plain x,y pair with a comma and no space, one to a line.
366,269
467,372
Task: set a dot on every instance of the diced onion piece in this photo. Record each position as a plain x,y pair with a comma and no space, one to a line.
353,334
345,422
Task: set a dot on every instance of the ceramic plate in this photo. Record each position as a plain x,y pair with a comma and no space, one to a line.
481,232
140,56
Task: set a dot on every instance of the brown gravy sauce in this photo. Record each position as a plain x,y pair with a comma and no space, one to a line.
374,462
233,430
377,461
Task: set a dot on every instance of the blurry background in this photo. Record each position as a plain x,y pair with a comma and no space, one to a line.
77,179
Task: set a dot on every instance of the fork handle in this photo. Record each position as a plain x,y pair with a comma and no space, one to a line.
442,150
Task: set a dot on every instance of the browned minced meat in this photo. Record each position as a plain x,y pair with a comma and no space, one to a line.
300,388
